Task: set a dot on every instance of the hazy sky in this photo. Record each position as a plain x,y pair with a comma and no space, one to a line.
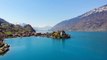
41,13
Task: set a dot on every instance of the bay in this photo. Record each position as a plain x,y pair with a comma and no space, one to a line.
81,46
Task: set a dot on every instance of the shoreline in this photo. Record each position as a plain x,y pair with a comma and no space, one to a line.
55,35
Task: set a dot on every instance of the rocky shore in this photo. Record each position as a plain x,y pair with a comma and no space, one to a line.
57,35
3,47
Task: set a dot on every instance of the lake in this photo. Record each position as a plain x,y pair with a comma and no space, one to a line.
82,46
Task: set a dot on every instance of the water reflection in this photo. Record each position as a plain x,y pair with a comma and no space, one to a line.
59,41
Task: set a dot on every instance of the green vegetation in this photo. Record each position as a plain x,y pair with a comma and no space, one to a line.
8,33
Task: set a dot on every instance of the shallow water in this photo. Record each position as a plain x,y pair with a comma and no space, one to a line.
82,46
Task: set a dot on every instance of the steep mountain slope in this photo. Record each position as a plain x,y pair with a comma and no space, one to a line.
94,20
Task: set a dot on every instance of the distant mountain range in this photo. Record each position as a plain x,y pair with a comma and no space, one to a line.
94,20
43,28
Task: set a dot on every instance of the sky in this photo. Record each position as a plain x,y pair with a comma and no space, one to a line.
41,13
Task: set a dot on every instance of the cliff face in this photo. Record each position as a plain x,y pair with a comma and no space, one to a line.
94,20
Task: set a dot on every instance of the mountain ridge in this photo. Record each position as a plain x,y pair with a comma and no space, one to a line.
8,27
94,20
3,21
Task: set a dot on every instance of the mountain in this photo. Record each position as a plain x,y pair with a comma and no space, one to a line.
43,28
2,21
29,28
8,27
94,20
22,24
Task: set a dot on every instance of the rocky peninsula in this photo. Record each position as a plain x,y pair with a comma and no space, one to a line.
8,30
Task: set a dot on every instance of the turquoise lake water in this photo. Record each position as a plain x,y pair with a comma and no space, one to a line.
82,46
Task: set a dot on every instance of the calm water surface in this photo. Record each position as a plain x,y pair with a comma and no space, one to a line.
82,46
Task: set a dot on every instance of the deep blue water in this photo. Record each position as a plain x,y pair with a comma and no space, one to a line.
82,46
